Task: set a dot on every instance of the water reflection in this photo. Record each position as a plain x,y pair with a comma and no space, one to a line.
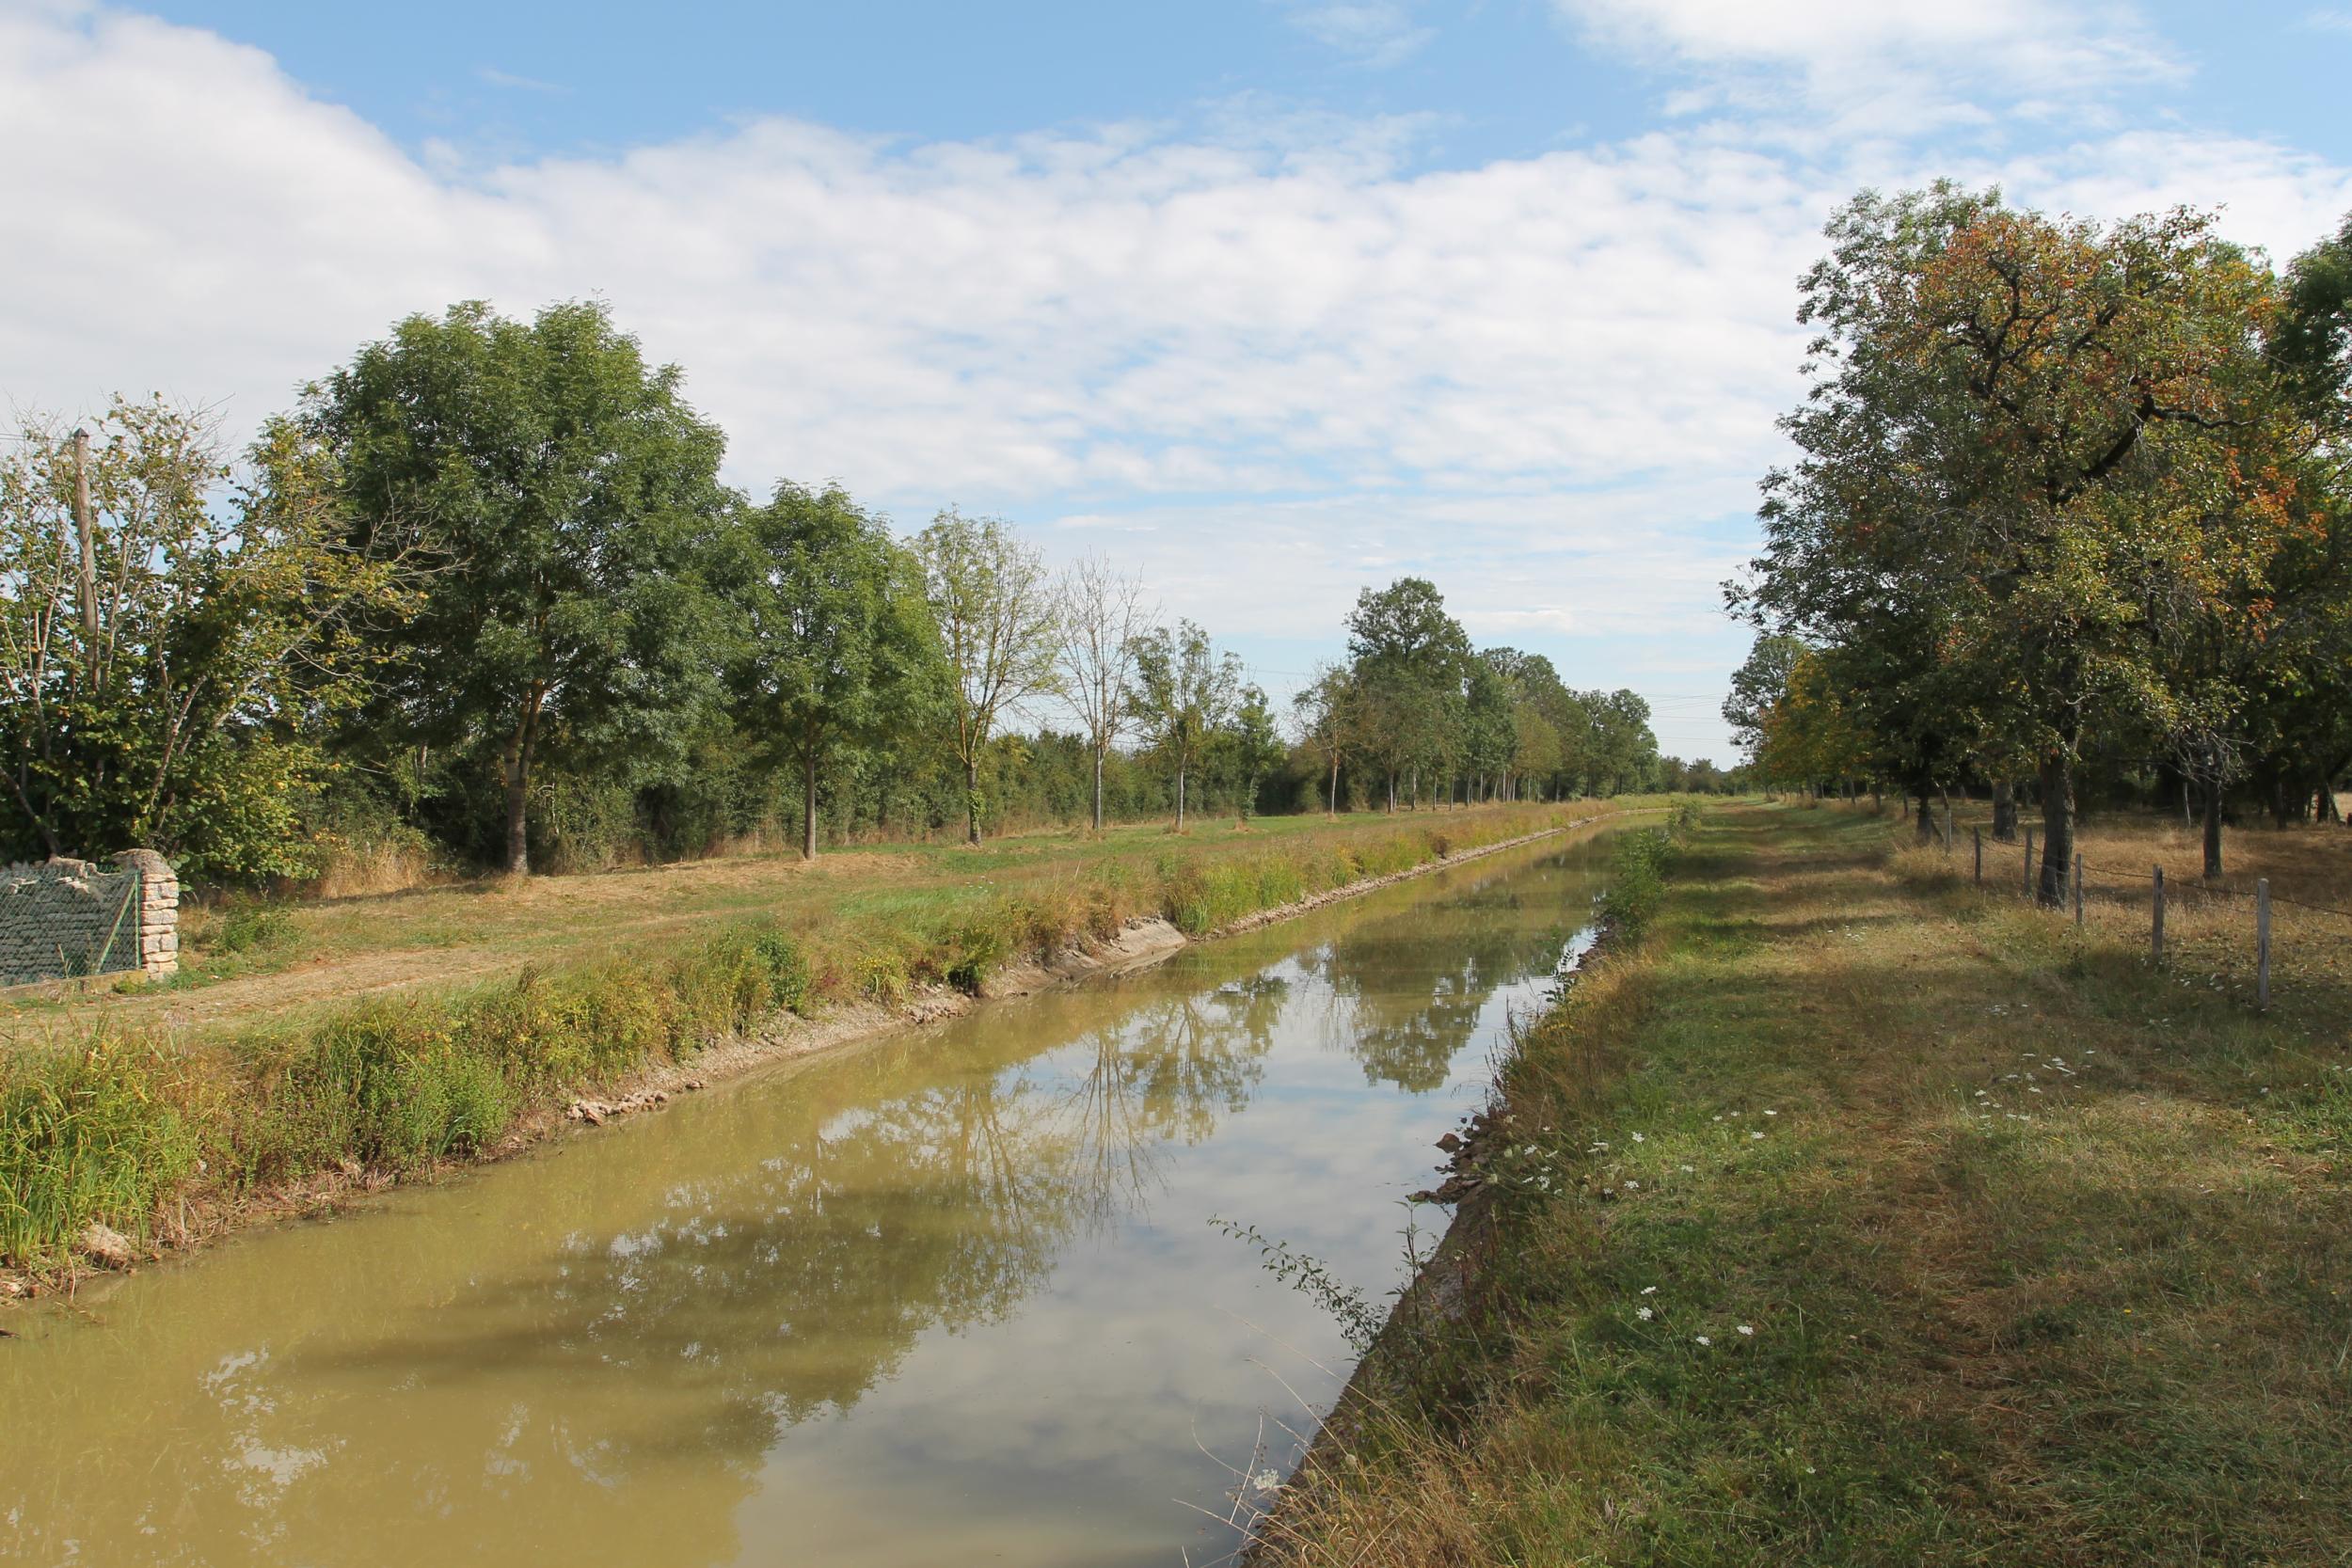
1411,992
803,1313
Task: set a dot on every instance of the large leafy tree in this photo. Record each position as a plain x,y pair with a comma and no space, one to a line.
171,649
840,651
571,500
1491,730
1758,687
1185,693
1411,658
2029,430
1330,714
998,628
1253,745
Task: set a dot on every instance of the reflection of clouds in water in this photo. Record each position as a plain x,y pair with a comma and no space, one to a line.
682,1331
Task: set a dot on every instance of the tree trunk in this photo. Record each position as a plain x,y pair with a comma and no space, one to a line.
2213,832
1331,806
1926,818
517,765
808,804
972,803
1098,789
2005,812
1878,799
1180,797
1392,794
2058,833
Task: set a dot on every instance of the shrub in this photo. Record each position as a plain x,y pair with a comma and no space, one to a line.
1637,880
249,927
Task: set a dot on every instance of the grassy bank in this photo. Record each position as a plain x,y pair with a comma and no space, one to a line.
128,1118
1852,1217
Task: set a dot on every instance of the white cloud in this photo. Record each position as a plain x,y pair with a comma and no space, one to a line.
1883,66
1263,358
493,77
1374,33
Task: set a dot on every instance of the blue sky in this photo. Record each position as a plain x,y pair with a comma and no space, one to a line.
1268,301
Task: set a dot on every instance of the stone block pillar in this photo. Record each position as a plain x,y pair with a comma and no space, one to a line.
158,912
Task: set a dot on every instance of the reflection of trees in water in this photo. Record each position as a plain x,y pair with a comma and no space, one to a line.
1165,1073
616,1396
760,1292
1408,991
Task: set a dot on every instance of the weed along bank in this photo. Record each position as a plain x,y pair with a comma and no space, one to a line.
969,1288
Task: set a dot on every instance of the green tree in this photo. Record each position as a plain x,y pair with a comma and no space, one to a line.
1186,691
840,651
1491,724
570,498
998,630
171,651
1411,660
2029,427
1328,711
1758,686
1253,745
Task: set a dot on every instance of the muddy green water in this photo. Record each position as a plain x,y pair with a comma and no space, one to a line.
951,1297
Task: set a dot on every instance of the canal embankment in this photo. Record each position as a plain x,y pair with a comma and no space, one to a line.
127,1139
1848,1215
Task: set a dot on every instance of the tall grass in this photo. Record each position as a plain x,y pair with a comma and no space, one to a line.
114,1130
102,1132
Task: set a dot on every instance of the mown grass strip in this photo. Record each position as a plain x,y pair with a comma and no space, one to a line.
1843,1220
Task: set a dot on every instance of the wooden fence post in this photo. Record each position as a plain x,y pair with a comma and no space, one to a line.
2262,944
2156,930
1978,834
2078,891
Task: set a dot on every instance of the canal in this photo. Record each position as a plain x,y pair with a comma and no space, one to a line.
954,1295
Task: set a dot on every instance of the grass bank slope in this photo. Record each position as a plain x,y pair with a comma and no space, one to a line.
1851,1216
166,1128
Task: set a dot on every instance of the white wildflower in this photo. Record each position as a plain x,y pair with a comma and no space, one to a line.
1644,1313
1756,1134
1266,1480
1702,1338
1638,1139
1747,1331
1649,1289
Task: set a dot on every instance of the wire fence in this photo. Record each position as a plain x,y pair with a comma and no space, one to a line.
2254,945
2233,932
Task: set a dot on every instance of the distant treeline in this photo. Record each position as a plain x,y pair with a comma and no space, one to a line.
482,600
2070,516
